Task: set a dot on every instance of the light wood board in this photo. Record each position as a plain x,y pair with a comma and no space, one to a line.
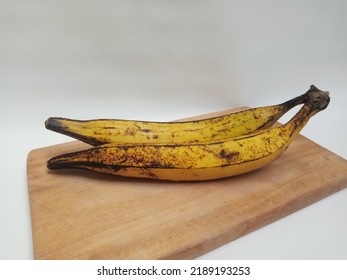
82,215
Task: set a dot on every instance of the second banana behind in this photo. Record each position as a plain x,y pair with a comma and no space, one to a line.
102,131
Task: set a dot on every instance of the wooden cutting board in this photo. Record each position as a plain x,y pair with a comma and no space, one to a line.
82,215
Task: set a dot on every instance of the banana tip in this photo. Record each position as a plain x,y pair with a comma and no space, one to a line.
52,124
54,164
50,165
47,123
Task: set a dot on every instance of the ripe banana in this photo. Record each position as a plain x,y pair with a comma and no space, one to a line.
195,161
102,131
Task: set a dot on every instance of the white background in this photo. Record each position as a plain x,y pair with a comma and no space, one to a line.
165,60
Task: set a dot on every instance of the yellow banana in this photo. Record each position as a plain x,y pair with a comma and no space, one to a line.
102,131
195,161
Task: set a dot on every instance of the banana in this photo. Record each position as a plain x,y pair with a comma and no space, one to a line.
102,131
195,161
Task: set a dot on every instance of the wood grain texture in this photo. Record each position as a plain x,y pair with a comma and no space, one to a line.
82,215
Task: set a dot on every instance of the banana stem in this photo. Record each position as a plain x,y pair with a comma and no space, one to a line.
295,101
316,101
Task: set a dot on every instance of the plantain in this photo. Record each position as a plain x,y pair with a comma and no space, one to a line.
196,161
102,131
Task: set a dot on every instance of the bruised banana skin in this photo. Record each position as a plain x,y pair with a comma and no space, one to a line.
195,162
102,131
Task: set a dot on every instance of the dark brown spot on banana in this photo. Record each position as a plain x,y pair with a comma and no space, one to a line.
228,155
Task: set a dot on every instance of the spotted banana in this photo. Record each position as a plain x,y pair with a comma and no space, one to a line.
102,131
